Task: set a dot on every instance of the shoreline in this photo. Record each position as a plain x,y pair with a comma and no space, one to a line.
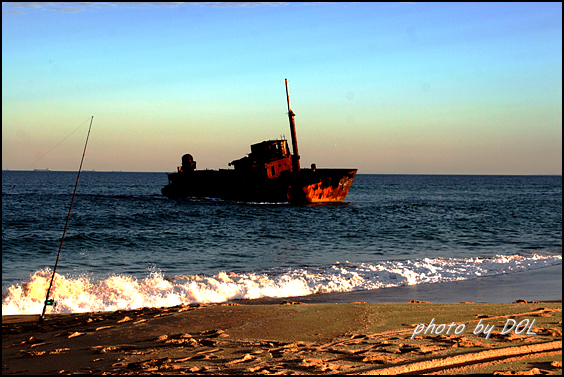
542,284
363,332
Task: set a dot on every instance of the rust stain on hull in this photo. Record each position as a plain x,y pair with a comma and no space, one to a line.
332,187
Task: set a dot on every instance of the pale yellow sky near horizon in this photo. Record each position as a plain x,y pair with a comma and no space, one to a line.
405,89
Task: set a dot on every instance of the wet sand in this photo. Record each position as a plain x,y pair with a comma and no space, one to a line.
287,338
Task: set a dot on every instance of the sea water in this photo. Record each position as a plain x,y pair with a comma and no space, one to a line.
127,246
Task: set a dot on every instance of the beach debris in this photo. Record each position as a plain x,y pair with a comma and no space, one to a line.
31,340
40,344
25,353
359,336
112,349
255,368
247,357
382,359
313,363
200,369
184,339
75,334
58,351
124,319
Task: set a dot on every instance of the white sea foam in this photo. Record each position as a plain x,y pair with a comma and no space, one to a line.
83,294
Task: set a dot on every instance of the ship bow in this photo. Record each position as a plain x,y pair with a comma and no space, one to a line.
322,186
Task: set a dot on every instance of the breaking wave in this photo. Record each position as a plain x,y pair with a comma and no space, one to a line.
121,292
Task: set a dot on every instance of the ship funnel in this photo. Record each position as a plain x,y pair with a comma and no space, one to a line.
291,115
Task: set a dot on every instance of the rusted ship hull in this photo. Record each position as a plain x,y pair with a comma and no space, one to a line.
270,173
307,186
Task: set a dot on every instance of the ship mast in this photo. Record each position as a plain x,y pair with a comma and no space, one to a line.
296,156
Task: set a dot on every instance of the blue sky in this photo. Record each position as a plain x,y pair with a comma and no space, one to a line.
412,88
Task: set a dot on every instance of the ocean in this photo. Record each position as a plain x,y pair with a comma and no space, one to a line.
128,247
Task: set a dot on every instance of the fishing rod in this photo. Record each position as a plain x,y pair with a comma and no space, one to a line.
47,300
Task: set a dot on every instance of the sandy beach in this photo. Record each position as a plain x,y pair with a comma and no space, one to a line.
290,338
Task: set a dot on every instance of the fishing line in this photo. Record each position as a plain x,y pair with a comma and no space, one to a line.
47,300
58,143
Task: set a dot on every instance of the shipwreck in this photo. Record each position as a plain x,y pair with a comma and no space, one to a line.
270,173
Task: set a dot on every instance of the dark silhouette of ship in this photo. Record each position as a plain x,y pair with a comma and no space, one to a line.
268,174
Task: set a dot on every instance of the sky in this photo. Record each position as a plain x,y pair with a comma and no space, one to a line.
388,88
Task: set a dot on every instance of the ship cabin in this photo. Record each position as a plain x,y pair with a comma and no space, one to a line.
267,160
